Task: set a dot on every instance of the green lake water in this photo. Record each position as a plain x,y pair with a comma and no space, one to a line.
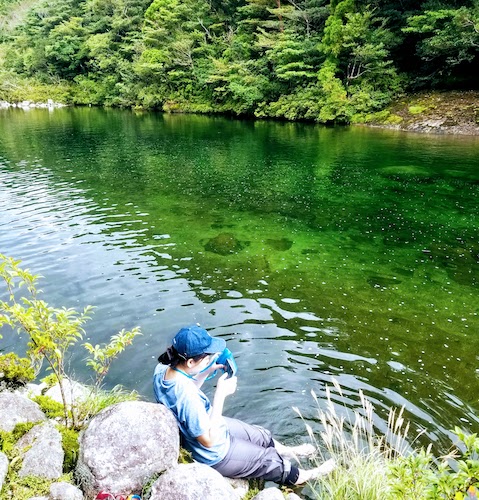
317,253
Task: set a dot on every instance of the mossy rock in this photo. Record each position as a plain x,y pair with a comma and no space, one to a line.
224,244
417,109
460,261
9,439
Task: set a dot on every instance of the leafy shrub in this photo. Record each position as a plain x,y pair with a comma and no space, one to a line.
383,117
393,120
53,331
50,380
15,371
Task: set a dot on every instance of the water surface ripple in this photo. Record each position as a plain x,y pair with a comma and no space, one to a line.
315,252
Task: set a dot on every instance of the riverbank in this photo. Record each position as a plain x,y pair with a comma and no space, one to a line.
429,112
44,459
432,112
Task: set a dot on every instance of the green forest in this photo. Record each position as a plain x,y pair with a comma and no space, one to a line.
329,61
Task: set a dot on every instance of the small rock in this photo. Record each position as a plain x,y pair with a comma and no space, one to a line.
45,456
3,468
15,409
241,486
31,390
36,389
65,491
269,494
190,482
292,496
74,391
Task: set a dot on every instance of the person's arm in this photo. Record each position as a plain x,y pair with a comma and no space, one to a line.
225,387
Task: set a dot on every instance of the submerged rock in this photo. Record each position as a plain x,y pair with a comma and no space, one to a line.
405,171
224,244
280,245
190,482
460,260
382,281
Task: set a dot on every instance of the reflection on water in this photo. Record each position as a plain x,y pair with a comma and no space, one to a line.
315,252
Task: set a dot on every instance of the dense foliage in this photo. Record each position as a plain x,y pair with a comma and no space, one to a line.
324,60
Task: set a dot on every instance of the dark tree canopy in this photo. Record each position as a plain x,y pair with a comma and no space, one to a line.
296,59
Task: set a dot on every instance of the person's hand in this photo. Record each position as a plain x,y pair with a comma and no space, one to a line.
226,386
213,368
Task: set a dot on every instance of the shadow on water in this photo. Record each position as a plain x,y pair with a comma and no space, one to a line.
316,252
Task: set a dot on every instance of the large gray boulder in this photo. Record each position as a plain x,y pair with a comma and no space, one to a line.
3,468
16,409
191,482
44,455
125,445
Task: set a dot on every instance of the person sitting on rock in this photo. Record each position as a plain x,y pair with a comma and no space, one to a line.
232,447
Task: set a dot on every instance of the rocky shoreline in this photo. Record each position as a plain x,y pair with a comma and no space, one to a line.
50,104
128,448
433,112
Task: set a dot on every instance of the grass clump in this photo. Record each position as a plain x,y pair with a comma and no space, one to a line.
99,399
71,448
361,455
417,109
374,466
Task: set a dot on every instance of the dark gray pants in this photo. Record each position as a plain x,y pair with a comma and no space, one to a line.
252,455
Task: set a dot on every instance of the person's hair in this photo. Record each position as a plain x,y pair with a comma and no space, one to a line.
173,358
